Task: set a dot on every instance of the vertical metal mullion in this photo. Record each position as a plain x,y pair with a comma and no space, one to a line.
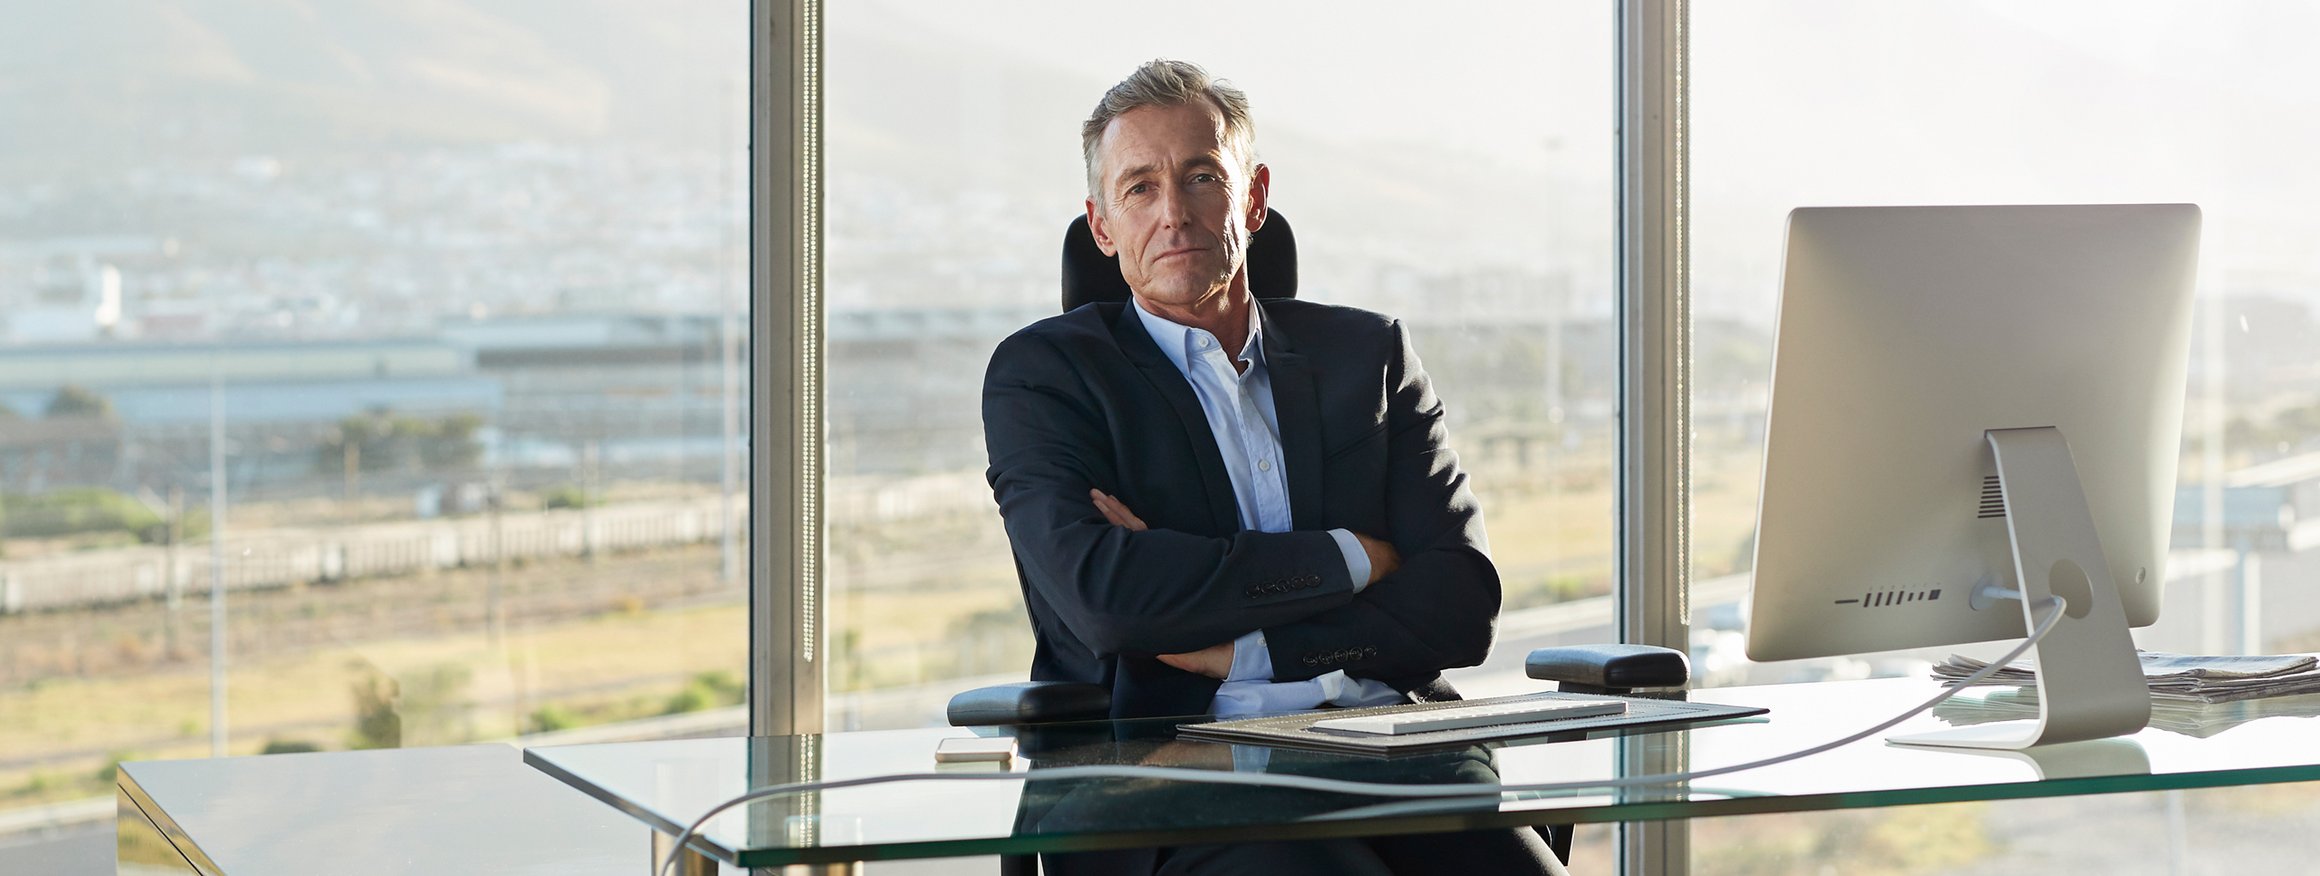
1655,330
787,645
1655,376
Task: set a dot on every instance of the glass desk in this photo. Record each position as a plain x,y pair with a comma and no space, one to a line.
465,809
668,785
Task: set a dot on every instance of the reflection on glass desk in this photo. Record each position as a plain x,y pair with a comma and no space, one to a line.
670,784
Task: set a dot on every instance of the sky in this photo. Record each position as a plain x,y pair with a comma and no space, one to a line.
1457,132
1793,103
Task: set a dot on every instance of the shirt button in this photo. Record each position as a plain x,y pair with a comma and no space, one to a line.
1264,465
1203,343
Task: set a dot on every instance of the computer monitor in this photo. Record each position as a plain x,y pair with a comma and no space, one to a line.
1970,400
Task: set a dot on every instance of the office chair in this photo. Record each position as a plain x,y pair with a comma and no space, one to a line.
1090,276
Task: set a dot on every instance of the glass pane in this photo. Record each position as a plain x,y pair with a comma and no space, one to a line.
2258,759
1453,169
1801,103
404,327
2216,830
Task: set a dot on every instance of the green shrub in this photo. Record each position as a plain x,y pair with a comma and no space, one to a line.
725,688
384,441
691,699
704,691
78,401
79,511
109,773
421,708
377,724
566,496
549,719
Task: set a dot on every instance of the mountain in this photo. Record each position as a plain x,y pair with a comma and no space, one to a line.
124,83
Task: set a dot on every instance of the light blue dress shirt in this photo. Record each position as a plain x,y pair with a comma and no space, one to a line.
1239,407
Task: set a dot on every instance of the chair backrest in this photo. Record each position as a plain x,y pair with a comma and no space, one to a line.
1089,275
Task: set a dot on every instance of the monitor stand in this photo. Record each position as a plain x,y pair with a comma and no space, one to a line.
2090,681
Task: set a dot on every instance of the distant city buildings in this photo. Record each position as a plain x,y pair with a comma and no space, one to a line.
567,299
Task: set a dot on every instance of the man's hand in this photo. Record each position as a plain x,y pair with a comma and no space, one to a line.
1383,559
1214,661
1116,512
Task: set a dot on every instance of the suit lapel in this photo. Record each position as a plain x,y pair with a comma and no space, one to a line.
1297,403
1128,331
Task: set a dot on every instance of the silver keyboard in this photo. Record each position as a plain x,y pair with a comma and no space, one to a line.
1462,717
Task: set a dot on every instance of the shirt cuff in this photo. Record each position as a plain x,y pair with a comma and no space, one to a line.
1239,699
1252,660
1351,692
1356,559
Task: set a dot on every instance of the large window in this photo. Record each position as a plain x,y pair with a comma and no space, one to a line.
1834,103
1452,168
405,329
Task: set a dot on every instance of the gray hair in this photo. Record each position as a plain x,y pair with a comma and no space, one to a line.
1162,82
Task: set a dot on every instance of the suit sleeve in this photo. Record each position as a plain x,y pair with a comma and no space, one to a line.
1440,609
1119,592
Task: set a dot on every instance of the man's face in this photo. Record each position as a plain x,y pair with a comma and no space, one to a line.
1171,203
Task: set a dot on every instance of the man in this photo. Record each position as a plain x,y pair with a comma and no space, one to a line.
1221,506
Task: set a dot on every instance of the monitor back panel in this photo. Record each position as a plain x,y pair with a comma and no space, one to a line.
1903,334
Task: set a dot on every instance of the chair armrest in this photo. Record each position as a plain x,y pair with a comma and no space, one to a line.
1030,702
1609,668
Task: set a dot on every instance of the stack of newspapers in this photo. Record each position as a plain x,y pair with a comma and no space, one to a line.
2178,678
2185,716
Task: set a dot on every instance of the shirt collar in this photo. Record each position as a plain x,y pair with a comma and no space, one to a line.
1176,340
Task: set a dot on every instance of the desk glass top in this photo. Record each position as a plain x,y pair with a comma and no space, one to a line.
669,784
465,809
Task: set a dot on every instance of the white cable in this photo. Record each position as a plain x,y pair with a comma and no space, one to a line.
1370,789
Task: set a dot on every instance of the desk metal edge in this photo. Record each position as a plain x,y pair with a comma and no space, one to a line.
162,821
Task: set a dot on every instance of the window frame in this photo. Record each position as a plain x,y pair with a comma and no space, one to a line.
788,640
788,647
1652,591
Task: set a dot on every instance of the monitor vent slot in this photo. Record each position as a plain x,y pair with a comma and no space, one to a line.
1883,598
1993,499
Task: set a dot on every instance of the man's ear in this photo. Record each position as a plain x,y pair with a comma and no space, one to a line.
1096,227
1260,194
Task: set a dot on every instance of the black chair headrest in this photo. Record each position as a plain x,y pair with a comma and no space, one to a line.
1089,275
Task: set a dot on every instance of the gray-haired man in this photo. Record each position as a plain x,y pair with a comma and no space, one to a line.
1220,505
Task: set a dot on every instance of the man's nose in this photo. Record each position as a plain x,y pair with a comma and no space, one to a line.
1175,208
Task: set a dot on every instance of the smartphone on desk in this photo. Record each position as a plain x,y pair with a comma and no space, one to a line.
966,751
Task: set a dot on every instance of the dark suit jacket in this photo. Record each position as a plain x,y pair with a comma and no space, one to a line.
1086,399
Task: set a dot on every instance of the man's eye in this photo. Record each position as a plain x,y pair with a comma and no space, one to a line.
1204,177
1139,188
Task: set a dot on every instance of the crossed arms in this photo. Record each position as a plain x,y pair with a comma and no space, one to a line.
1216,661
1063,430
